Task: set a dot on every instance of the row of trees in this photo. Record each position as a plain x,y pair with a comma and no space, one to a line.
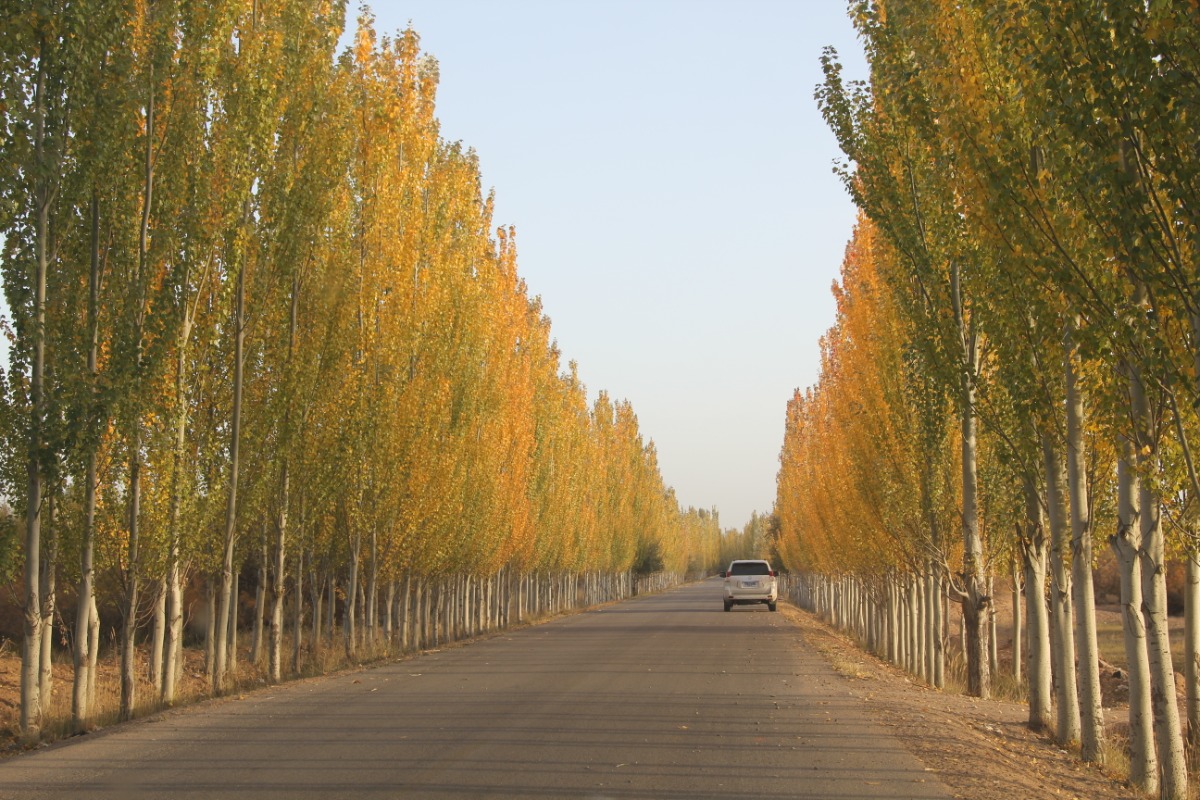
260,317
1016,358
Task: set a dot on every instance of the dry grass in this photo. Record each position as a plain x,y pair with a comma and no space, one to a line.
1005,687
193,686
1115,752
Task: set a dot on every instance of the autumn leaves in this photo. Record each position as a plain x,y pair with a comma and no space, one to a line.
262,319
1014,361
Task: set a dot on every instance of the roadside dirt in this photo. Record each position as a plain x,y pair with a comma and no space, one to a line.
192,688
980,749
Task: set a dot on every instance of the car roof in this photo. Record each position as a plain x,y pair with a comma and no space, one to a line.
749,561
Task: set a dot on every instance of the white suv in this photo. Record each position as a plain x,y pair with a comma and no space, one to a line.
748,581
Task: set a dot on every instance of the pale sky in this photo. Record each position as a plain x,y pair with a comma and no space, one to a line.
669,176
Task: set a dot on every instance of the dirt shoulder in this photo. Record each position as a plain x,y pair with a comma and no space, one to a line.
980,749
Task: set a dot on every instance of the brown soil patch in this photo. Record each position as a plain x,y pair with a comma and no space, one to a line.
980,749
192,688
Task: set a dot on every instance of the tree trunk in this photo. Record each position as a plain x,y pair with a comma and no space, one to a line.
917,623
173,646
1083,594
174,588
31,647
420,615
975,601
154,667
1167,734
93,636
332,621
939,625
31,704
349,618
371,606
132,577
1191,651
176,653
993,639
298,608
1018,630
49,587
1062,623
389,605
210,628
80,709
130,608
1154,616
439,610
260,601
1151,554
931,628
226,598
279,578
405,605
231,633
893,643
1034,553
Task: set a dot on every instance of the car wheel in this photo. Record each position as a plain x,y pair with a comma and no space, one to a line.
728,605
771,606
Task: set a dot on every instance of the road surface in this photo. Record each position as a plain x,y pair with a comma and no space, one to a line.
664,696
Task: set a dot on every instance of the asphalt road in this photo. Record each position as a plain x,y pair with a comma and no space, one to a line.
657,697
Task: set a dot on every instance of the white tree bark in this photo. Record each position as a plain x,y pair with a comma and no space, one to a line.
315,587
893,600
974,600
939,625
1167,733
210,628
1034,549
350,617
1018,628
31,705
1191,649
331,617
1062,623
1152,556
130,606
260,600
80,708
93,635
405,607
389,605
1083,594
279,578
993,639
232,632
158,637
370,607
49,587
226,600
173,646
298,611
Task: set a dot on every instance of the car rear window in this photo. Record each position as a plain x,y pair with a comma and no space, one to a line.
750,568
